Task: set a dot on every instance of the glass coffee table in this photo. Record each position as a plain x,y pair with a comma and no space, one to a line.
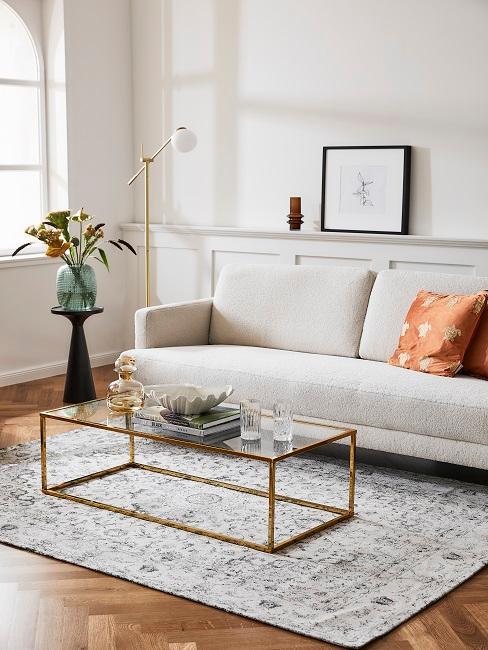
96,415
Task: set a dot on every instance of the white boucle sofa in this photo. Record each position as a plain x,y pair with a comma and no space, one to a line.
321,337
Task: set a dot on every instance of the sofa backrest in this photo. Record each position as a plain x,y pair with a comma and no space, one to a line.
303,308
391,296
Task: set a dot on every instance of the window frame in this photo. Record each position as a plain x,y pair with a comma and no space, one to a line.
33,31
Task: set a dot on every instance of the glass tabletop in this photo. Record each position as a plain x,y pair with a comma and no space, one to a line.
96,413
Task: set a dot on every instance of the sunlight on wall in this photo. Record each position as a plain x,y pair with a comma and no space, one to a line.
266,84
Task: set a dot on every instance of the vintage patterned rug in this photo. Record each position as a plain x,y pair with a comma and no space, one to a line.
413,540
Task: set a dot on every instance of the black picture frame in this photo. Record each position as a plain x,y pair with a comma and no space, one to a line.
407,156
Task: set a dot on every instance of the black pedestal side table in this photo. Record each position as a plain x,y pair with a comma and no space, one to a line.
79,386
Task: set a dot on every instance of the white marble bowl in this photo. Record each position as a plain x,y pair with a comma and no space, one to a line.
187,399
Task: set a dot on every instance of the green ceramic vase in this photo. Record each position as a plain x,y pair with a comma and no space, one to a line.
76,287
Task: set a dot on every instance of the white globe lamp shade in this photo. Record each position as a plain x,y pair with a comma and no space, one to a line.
183,140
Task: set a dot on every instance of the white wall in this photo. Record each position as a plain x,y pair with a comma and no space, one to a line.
99,101
97,105
53,47
267,83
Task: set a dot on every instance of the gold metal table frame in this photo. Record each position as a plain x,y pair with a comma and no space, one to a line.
271,546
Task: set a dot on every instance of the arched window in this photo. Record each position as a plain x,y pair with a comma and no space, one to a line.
22,150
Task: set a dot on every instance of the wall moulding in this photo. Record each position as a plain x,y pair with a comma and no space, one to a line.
19,376
195,255
307,235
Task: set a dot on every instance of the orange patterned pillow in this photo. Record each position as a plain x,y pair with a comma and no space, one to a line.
476,358
437,331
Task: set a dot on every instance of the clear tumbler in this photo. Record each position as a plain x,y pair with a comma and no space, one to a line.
250,419
282,422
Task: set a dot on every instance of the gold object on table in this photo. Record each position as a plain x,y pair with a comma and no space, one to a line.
125,394
265,453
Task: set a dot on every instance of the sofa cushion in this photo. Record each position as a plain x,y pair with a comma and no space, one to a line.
329,387
391,296
301,308
475,360
437,331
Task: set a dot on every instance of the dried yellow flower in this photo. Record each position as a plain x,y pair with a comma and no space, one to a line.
56,251
90,232
43,235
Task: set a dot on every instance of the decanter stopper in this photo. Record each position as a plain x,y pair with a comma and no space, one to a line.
125,394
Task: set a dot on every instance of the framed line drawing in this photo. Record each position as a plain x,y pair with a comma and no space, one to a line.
366,189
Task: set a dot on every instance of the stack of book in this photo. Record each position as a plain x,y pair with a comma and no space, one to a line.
220,420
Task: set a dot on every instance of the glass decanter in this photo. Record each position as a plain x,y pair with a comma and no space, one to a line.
125,394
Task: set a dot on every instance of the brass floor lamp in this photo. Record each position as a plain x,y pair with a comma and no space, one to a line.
183,140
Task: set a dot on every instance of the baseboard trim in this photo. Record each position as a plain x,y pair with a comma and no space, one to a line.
52,369
409,463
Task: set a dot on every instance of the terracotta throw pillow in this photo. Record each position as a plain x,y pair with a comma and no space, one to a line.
476,358
437,331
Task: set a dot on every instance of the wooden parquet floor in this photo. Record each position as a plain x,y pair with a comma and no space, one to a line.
46,604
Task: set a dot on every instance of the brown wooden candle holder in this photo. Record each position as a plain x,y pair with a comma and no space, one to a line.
295,218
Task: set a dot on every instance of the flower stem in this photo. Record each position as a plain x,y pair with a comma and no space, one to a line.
80,260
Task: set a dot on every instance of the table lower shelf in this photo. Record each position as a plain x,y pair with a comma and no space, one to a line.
341,514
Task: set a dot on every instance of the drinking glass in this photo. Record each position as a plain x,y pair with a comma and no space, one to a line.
250,419
282,422
282,446
251,446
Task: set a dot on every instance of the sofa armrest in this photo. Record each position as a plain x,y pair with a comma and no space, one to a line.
184,323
